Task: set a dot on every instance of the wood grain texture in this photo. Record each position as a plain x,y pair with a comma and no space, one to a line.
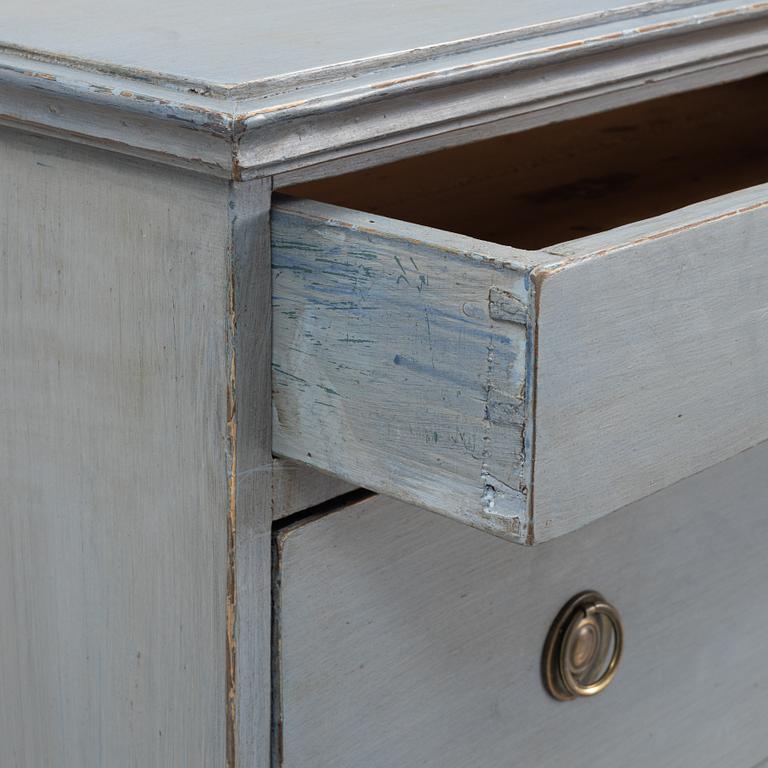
267,116
113,372
652,357
249,422
197,43
135,360
410,361
400,362
426,636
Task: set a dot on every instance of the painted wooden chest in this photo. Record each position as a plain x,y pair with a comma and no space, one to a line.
383,385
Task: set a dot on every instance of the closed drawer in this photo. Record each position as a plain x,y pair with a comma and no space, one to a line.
406,639
597,329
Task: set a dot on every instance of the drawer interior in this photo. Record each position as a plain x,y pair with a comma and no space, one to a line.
571,179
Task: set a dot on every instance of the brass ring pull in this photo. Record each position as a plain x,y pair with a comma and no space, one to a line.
583,647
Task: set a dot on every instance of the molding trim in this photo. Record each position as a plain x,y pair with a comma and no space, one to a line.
302,125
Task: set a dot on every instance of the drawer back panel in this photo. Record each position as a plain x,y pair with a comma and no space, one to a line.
571,179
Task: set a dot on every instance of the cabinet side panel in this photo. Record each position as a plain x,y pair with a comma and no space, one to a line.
113,374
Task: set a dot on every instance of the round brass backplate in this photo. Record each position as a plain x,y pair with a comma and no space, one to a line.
583,647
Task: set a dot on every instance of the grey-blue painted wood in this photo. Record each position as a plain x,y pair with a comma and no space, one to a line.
113,373
296,487
238,93
249,491
400,362
407,639
136,468
247,43
135,555
525,393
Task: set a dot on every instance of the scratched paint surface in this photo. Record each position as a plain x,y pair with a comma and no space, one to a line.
251,41
391,363
404,359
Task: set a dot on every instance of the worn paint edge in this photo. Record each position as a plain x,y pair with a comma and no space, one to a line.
541,53
272,85
467,126
257,129
498,106
450,243
532,357
231,607
525,535
574,252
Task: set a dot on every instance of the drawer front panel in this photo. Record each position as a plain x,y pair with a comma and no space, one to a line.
406,639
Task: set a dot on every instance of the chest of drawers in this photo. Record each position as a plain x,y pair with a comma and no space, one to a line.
500,263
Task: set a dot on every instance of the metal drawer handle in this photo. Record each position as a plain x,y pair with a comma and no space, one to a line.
583,647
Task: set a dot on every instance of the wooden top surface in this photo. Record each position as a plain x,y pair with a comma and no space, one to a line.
247,42
251,89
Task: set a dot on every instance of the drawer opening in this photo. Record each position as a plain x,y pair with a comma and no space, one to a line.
571,179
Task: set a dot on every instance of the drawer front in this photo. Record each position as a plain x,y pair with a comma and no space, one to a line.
406,639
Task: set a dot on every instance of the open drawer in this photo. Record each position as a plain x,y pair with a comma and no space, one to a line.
597,331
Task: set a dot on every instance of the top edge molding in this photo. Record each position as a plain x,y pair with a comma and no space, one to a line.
275,85
303,124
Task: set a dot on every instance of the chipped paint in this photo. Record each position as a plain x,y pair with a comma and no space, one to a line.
373,346
506,307
531,383
231,605
493,492
40,75
566,260
141,97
